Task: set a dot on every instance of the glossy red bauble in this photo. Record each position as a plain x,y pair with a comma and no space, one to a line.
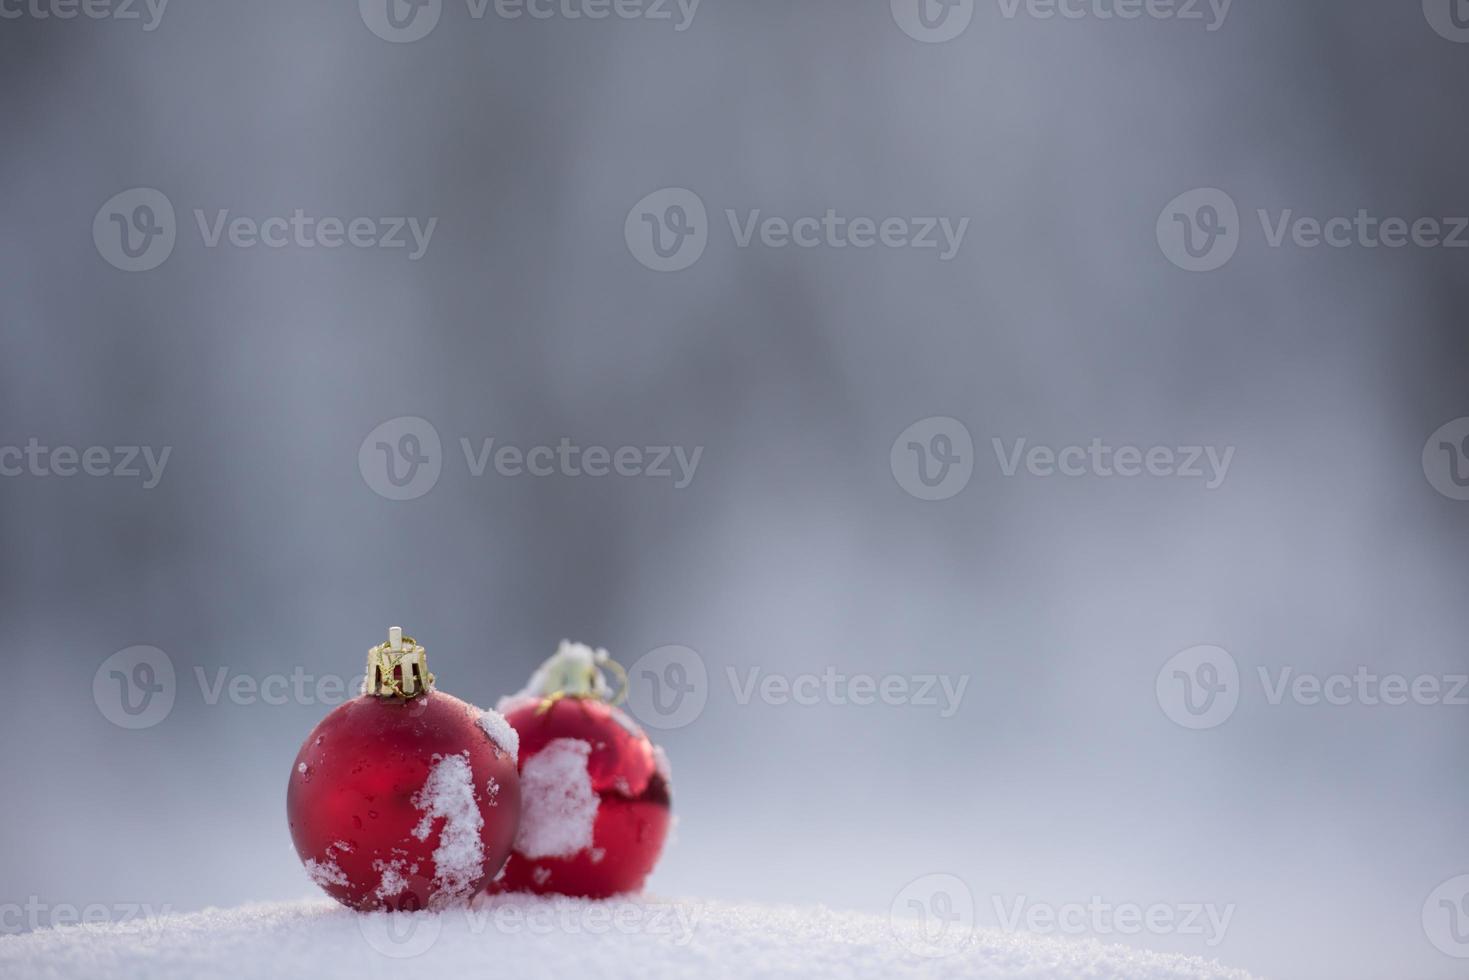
404,803
595,799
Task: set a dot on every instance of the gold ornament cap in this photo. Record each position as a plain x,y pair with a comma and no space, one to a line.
397,668
577,671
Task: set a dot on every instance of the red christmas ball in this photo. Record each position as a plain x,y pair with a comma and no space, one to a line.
594,791
404,802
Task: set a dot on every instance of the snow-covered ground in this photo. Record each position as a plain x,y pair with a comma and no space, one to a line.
518,936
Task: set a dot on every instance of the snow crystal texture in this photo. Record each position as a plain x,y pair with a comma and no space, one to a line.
558,805
567,669
448,796
522,936
500,732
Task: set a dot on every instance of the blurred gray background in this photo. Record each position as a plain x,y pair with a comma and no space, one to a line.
794,549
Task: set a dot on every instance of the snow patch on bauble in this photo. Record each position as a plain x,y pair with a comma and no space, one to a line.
575,669
448,795
325,873
393,876
558,804
501,733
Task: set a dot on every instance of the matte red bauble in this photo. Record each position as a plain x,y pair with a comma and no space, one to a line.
594,788
405,797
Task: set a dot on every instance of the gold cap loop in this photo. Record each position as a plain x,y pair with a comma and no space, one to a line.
397,668
576,670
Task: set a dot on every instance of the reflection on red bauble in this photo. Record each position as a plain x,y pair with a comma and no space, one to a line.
595,799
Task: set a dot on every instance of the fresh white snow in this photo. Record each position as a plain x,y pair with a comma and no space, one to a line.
392,878
524,936
558,804
500,732
574,669
448,795
325,872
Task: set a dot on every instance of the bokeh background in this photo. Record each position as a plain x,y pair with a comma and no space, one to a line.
794,549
